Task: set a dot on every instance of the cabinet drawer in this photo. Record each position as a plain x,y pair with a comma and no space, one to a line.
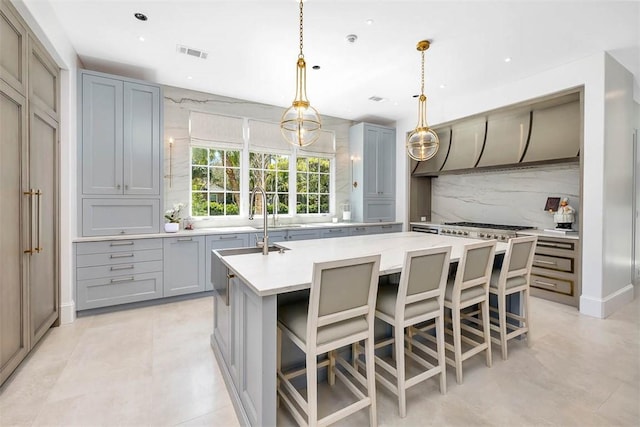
117,246
387,228
379,210
93,260
554,263
358,231
105,271
108,217
334,232
561,286
118,290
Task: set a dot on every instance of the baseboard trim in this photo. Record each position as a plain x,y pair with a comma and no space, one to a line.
605,307
67,312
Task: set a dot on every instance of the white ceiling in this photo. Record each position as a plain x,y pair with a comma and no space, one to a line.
253,46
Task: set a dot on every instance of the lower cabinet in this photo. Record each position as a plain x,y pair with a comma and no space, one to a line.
379,210
184,265
305,234
109,217
334,232
555,270
118,272
386,228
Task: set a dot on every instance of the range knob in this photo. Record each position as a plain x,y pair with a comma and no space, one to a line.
503,237
481,234
466,233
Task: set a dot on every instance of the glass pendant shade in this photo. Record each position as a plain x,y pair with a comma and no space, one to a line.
300,123
422,142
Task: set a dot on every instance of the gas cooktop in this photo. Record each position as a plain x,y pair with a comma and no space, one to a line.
490,226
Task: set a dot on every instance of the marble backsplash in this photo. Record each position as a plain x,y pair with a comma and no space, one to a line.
513,197
179,102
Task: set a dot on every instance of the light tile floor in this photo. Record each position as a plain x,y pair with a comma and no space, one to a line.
153,366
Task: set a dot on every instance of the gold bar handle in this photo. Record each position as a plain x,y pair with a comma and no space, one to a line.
39,248
30,193
539,261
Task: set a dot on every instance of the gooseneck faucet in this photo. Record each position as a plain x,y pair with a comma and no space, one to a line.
276,201
252,202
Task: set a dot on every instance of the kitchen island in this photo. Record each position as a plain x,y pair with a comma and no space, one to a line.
244,335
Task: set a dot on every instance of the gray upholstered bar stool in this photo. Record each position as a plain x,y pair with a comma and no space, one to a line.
418,298
470,287
340,312
514,277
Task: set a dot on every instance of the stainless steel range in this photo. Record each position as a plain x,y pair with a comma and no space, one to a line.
476,230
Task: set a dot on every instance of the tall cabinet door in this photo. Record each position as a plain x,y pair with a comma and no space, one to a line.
386,173
14,343
43,179
370,161
141,139
101,135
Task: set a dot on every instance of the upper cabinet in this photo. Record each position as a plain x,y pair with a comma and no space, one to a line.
119,155
120,137
13,48
541,131
372,149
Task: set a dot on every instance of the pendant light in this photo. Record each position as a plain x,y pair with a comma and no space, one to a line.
422,142
300,123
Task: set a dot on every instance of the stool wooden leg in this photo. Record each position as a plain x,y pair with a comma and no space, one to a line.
354,355
527,316
400,370
502,319
457,342
487,329
441,354
371,380
331,371
312,390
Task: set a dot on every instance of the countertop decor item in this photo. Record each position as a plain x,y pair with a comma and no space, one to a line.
173,218
422,142
300,123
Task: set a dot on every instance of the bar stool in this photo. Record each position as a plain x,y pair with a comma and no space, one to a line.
340,312
418,298
513,277
470,287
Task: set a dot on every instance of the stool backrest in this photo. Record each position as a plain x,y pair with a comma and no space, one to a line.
518,259
342,290
474,267
423,277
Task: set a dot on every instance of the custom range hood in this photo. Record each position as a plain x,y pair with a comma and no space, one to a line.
540,132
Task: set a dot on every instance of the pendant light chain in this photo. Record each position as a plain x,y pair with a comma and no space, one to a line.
422,75
301,55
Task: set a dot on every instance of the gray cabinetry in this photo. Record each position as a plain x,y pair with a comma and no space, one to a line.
119,152
334,232
373,149
118,272
221,241
302,234
555,271
29,187
108,217
184,265
386,228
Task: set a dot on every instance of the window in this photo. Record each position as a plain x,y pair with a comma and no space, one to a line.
271,172
313,184
215,182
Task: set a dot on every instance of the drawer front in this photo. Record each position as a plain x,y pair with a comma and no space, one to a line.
108,217
566,245
93,260
221,241
303,234
107,271
238,237
334,232
117,246
387,228
358,231
375,210
561,286
554,263
96,293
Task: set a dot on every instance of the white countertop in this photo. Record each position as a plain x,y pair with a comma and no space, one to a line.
550,233
290,271
232,229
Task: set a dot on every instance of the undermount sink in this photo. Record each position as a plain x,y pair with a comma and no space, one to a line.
276,227
250,250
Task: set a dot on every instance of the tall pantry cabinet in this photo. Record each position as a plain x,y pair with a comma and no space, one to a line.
29,140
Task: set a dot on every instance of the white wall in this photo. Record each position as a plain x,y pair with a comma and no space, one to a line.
41,19
589,72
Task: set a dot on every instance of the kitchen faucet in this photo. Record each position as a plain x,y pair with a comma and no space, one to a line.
265,238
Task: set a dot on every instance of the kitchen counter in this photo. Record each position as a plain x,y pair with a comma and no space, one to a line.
545,233
244,338
232,229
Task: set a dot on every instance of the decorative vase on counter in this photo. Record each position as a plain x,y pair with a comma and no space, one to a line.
171,227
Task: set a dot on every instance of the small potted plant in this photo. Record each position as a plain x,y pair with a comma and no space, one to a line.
173,218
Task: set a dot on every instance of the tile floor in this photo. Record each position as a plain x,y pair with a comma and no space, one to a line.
153,366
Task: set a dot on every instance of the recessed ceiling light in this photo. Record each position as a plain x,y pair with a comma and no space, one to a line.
141,38
316,67
442,86
395,103
370,21
189,77
507,59
140,16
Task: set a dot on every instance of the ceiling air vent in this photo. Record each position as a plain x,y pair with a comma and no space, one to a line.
376,98
191,51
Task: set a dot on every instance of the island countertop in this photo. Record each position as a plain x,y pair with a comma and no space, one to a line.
292,270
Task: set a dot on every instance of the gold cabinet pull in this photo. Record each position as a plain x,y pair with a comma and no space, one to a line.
39,248
30,193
